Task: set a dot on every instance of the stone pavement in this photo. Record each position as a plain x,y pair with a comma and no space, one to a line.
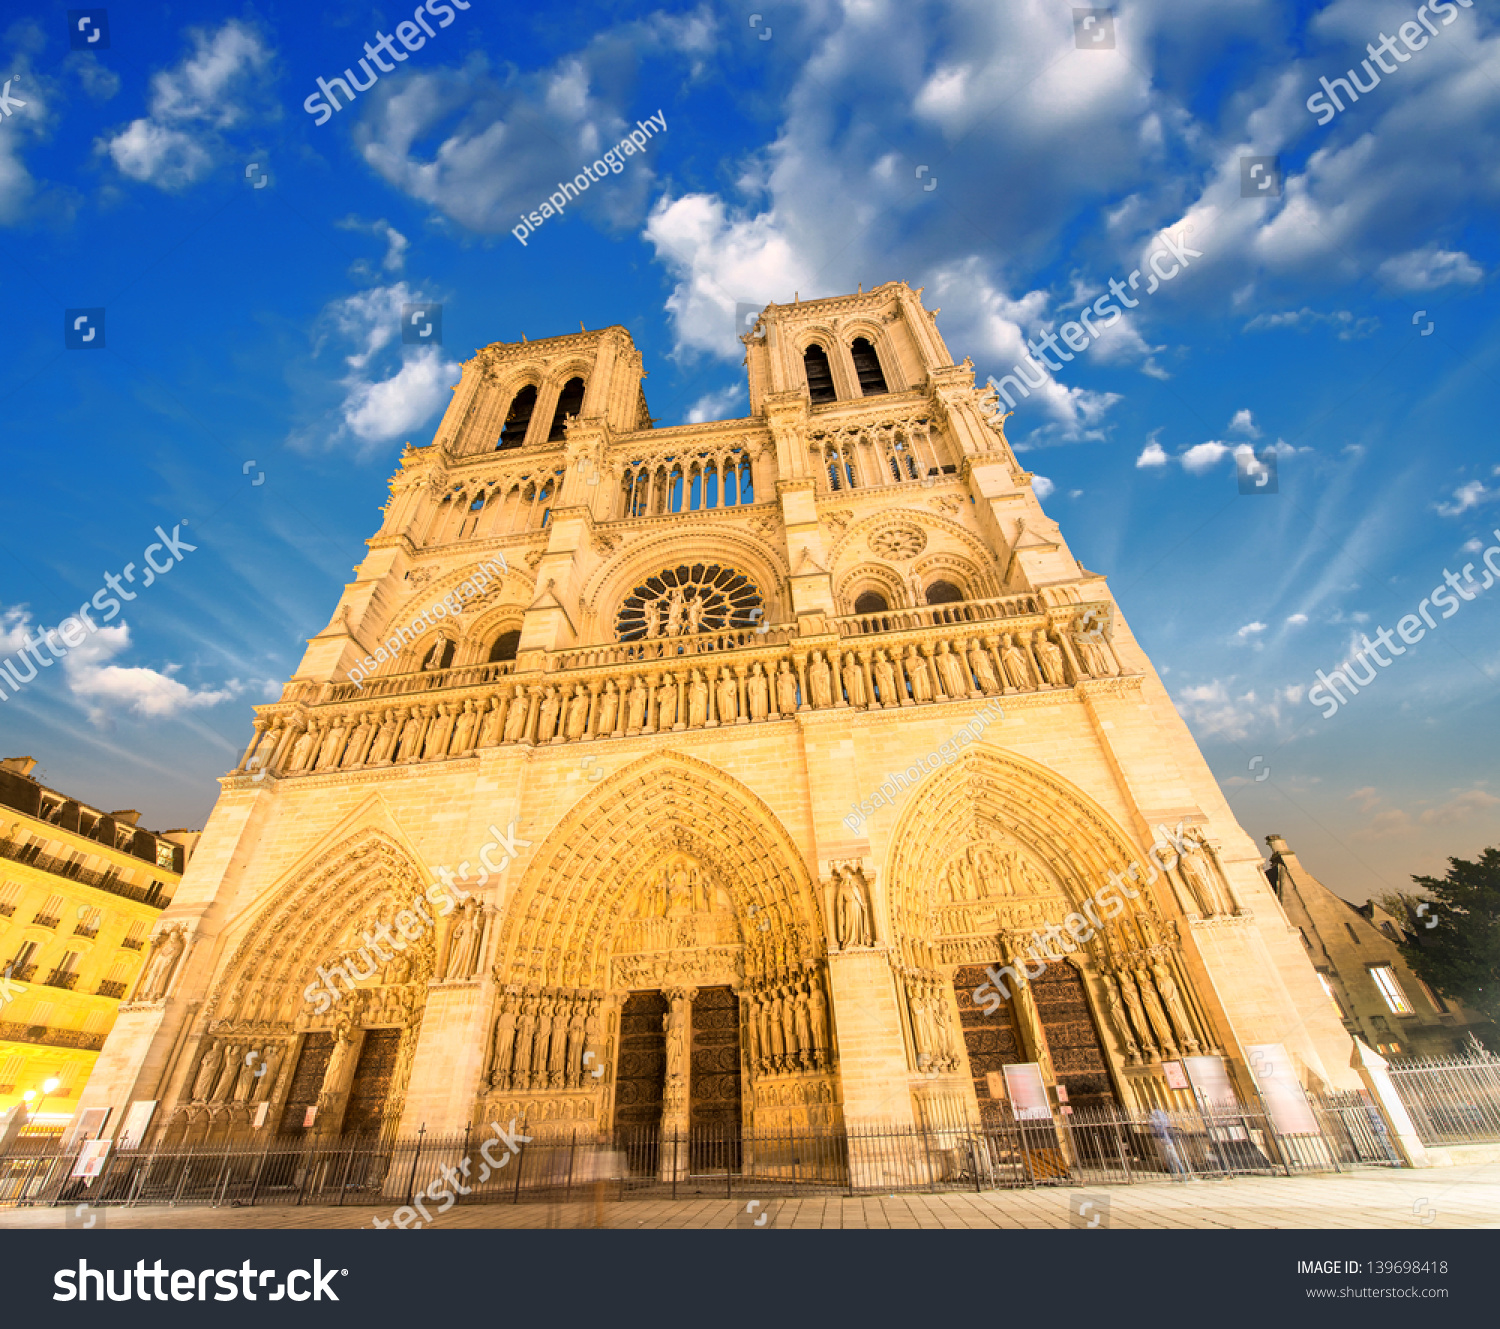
1460,1197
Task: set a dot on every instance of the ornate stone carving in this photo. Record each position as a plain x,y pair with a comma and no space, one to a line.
899,543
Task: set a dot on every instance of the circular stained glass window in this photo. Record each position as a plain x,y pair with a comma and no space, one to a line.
688,599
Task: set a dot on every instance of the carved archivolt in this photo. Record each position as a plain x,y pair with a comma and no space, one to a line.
871,577
718,542
561,926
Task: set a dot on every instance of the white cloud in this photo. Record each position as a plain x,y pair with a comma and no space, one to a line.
215,88
1244,423
717,405
1250,630
1430,269
101,686
1350,327
1465,497
1296,620
1041,486
377,412
1152,455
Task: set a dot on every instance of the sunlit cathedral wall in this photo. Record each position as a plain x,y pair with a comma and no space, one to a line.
752,743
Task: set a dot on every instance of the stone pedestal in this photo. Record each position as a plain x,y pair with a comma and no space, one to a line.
873,1070
452,1051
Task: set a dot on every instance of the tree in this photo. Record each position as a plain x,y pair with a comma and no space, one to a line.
1457,951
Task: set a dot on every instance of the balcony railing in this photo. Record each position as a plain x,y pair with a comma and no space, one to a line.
43,1034
928,616
45,920
7,909
671,648
21,974
425,680
108,988
89,930
62,978
133,943
73,871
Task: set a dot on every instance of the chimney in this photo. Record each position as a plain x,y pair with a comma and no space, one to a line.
20,765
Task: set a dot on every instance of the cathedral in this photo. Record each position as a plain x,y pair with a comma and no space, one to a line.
786,772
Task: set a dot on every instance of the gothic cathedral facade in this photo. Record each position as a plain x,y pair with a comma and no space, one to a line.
712,776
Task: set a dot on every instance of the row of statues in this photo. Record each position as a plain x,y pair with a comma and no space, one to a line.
675,615
231,1071
932,1030
540,1039
786,1028
687,698
1148,1013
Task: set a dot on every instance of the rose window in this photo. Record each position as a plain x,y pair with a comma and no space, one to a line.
685,600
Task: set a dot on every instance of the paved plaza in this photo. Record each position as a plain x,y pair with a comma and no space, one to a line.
1457,1197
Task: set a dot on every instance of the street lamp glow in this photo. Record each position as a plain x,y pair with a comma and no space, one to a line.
49,1086
29,1095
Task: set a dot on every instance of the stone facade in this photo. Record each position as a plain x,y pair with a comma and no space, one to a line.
80,893
814,708
1396,1013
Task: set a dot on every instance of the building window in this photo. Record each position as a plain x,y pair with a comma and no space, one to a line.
440,654
88,922
136,937
871,602
684,601
1390,989
518,418
1353,935
49,914
1331,994
506,645
1437,1003
943,593
569,402
10,895
867,368
819,376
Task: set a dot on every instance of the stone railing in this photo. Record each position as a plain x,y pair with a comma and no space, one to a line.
925,616
585,695
670,648
43,1034
424,680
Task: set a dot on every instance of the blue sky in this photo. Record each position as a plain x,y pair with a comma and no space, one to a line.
253,384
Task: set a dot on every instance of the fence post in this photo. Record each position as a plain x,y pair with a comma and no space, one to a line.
515,1197
411,1180
1372,1069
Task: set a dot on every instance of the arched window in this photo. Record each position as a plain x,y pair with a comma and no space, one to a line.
871,602
819,376
867,367
440,654
943,593
569,402
518,418
506,645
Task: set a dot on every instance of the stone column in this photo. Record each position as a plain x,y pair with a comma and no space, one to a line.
676,1094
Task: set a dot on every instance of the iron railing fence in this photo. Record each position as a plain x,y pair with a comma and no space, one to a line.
431,1173
1451,1100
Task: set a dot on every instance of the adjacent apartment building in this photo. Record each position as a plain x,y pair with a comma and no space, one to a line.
80,891
1360,966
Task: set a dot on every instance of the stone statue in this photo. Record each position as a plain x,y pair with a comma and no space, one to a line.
1016,667
885,681
819,1005
265,1081
802,1028
441,732
786,690
635,710
951,672
515,721
652,614
1137,1015
676,603
208,1071
1166,985
984,671
697,699
675,1026
758,689
1050,658
1202,874
1154,1011
578,712
916,670
333,745
726,697
525,1030
411,733
1117,1018
609,706
820,681
264,750
575,1045
695,609
854,681
547,725
852,910
302,749
1093,651
167,948
463,937
505,1038
666,704
463,728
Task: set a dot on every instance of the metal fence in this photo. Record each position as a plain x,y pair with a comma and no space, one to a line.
432,1173
1452,1100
